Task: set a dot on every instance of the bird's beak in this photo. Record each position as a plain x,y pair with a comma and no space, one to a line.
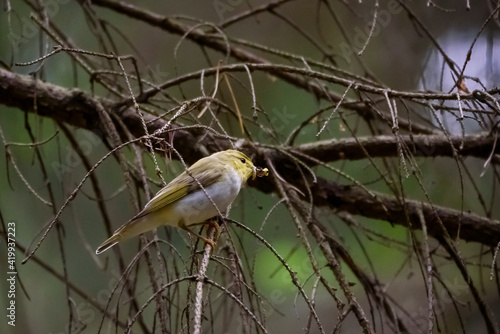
254,173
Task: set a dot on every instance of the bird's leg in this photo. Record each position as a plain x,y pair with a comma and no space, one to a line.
212,222
209,222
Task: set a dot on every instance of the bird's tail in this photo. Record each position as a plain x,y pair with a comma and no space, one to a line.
130,229
115,238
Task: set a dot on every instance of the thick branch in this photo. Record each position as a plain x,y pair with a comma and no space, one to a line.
72,106
81,110
479,145
355,200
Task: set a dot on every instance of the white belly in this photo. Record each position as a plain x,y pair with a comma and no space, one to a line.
197,207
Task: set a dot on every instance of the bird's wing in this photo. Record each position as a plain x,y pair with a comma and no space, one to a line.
179,187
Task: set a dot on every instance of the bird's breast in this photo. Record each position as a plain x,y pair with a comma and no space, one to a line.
198,207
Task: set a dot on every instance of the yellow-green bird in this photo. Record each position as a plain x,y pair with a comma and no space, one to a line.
184,203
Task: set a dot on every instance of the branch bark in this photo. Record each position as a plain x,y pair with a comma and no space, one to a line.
357,201
79,109
478,145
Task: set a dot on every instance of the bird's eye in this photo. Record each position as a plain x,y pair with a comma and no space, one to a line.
242,160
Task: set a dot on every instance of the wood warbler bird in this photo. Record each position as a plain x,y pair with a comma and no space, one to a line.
184,203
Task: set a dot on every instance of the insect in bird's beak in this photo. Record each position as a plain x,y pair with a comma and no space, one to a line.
260,172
